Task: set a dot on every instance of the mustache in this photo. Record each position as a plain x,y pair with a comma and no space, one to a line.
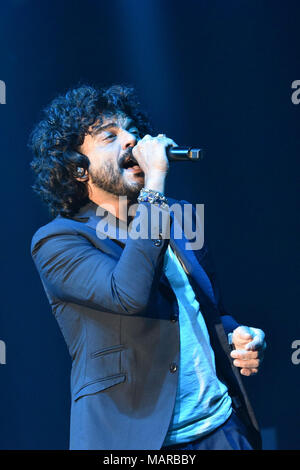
127,155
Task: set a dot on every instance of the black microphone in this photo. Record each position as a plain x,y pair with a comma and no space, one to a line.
184,153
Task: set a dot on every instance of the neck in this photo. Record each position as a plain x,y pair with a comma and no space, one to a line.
116,205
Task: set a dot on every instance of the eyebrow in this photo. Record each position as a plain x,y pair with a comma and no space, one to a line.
115,125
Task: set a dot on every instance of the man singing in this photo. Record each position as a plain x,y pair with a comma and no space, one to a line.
156,360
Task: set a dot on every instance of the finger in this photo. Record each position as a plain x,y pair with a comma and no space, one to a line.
248,372
167,141
252,363
256,343
244,355
245,372
258,339
172,143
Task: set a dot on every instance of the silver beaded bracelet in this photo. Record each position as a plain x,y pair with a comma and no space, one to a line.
154,197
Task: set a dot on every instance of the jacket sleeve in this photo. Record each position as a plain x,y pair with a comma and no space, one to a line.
72,269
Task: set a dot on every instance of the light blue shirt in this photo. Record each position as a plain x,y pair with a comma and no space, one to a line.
202,400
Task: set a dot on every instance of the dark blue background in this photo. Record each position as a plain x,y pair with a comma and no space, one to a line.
211,73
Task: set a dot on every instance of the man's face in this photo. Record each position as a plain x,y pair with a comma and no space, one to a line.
108,152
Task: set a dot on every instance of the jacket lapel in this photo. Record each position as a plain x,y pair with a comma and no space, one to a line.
192,266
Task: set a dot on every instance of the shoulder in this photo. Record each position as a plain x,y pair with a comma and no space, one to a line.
58,226
62,226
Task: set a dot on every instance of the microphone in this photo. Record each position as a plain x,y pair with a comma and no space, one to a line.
184,153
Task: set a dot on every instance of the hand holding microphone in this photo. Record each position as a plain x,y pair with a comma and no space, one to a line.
150,154
153,155
176,153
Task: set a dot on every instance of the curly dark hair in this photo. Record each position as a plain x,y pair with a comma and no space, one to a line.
56,138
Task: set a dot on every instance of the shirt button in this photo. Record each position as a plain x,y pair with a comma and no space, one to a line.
173,367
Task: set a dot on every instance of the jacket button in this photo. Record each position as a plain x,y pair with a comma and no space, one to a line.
173,367
174,320
157,242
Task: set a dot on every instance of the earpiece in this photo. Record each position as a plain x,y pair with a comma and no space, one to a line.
81,173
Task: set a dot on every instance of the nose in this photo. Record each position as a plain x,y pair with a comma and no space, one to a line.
128,139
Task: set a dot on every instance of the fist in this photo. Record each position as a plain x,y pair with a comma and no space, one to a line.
150,153
249,346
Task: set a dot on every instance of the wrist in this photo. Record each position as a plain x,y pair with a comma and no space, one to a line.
155,181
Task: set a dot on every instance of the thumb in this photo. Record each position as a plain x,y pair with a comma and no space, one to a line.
241,336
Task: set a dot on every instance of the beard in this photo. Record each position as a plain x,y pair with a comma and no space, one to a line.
110,179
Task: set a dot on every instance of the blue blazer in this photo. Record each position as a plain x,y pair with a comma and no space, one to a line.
119,317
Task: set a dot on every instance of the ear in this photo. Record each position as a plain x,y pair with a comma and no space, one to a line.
81,174
79,165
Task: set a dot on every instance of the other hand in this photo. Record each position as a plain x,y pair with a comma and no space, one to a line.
249,346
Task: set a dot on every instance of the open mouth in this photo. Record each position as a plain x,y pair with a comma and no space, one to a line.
131,165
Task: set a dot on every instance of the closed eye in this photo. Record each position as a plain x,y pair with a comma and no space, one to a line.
109,137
